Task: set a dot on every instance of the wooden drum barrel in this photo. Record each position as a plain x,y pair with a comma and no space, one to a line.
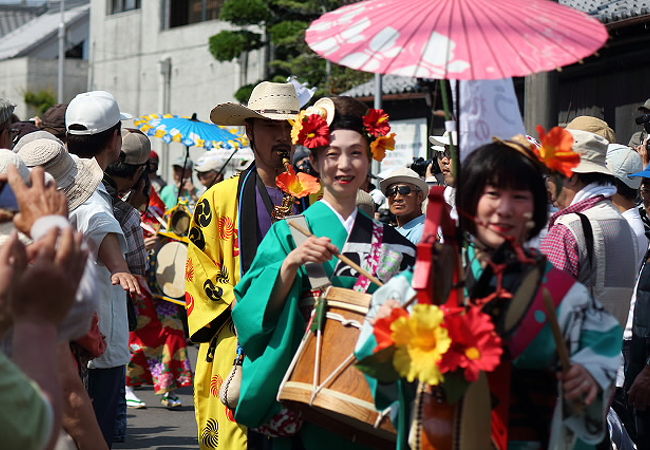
323,383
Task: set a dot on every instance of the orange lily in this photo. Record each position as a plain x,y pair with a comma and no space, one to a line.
298,184
556,151
379,146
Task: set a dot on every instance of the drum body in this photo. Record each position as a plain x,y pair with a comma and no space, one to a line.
170,259
464,425
323,382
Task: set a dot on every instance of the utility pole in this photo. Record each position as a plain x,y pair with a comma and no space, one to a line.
61,51
541,100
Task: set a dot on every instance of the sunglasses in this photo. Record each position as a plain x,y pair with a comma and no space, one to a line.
402,190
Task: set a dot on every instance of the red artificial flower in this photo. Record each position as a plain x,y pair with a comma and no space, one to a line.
556,151
382,330
475,345
315,132
376,122
297,184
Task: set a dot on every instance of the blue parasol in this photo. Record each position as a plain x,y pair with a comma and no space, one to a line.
190,131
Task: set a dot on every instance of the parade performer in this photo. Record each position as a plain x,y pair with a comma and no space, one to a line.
341,133
229,222
503,203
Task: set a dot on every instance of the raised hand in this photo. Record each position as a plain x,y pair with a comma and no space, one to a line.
36,201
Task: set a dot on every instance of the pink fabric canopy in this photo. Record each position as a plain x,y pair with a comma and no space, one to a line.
456,39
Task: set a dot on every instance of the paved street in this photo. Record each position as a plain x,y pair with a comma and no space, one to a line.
158,428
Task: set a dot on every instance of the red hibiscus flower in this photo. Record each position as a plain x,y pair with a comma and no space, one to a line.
382,329
376,122
556,151
315,132
297,184
475,346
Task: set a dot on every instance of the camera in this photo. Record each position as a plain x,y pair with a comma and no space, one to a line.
642,119
420,165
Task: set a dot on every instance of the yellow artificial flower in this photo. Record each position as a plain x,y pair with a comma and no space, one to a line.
296,126
420,341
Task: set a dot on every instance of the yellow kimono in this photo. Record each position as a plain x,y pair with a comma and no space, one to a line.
212,271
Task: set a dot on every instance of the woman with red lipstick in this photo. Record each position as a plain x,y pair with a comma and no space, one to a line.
502,203
343,137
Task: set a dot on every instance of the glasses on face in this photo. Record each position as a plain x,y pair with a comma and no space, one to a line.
402,190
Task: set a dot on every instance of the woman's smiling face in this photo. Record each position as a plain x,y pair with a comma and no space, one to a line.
503,212
343,165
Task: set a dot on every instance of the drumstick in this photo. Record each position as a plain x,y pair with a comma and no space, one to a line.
562,351
343,258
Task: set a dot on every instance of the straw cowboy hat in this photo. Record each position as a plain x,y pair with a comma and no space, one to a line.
275,101
77,177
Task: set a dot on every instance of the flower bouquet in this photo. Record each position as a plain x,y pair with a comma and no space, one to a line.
436,345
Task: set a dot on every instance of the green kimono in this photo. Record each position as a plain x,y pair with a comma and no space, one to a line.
270,341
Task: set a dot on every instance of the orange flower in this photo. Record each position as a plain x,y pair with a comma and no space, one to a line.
376,122
379,146
556,151
297,184
382,330
314,132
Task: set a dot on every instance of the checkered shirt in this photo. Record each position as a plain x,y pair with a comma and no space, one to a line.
559,245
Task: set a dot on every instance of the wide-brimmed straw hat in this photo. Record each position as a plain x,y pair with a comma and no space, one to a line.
77,177
275,101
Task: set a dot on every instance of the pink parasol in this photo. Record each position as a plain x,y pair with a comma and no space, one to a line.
456,39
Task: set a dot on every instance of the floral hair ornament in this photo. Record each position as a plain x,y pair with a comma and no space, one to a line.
312,128
556,151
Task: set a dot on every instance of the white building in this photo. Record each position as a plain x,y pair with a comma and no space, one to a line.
29,52
153,57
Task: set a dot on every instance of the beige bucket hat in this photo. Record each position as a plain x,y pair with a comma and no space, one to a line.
593,125
77,177
275,101
403,175
593,152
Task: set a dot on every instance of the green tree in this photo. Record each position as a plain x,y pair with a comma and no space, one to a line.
41,100
282,24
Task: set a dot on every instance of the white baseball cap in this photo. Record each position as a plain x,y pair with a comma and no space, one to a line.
96,111
623,162
208,162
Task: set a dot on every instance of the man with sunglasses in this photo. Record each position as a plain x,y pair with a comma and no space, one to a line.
7,134
406,192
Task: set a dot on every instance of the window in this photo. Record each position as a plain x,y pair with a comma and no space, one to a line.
118,6
185,12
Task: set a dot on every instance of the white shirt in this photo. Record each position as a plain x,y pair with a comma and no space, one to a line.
94,218
347,223
633,218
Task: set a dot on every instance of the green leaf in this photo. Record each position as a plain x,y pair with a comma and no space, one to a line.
228,45
288,32
244,93
245,12
455,386
379,365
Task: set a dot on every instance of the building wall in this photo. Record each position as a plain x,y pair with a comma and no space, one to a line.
127,51
20,75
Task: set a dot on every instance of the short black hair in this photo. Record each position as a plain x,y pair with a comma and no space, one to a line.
598,178
89,145
499,165
626,191
123,170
